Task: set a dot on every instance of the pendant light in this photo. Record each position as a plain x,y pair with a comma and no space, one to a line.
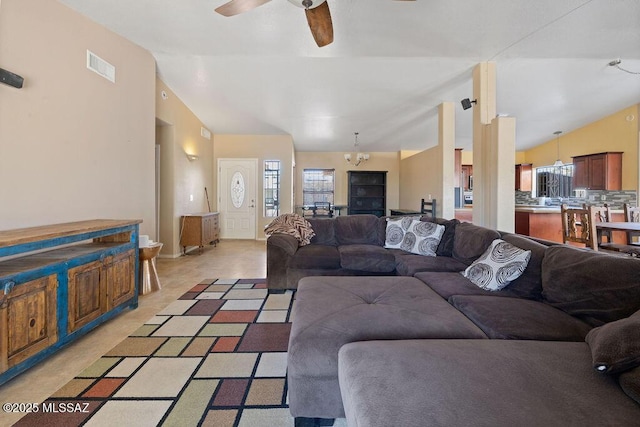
558,163
360,157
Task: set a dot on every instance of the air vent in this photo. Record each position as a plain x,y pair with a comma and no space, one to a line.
205,133
100,66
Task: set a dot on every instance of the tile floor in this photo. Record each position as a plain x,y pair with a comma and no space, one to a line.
120,349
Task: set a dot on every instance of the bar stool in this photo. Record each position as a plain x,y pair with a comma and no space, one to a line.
149,281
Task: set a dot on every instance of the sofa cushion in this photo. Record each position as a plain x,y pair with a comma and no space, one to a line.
325,233
366,258
471,241
529,284
332,311
630,383
423,238
316,256
595,287
408,264
615,346
498,266
445,248
478,383
396,230
519,319
454,283
357,230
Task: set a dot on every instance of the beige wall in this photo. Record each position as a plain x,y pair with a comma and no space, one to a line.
617,132
261,147
379,161
179,134
467,157
73,146
421,176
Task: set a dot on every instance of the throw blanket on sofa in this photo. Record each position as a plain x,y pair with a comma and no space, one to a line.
292,224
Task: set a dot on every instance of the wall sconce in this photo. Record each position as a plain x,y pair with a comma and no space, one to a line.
360,157
466,103
192,157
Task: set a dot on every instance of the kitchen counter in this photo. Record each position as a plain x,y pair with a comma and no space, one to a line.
551,209
545,222
537,209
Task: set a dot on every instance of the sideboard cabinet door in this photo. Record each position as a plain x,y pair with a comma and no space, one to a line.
121,281
87,297
28,321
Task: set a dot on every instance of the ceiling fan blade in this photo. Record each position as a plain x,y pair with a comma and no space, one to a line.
319,19
235,7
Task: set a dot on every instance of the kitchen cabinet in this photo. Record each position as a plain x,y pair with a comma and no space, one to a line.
524,175
457,168
58,282
467,177
544,223
601,171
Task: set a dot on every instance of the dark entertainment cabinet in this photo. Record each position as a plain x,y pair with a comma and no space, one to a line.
367,192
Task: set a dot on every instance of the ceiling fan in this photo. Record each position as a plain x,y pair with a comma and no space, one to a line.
317,11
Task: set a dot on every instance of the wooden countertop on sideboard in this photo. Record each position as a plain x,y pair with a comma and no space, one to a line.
34,234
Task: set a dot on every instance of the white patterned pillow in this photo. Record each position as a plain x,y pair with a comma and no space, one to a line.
422,238
396,229
498,266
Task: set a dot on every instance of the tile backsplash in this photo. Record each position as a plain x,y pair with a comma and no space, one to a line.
615,199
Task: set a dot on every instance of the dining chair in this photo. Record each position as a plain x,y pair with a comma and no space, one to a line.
632,214
428,207
602,214
322,209
579,226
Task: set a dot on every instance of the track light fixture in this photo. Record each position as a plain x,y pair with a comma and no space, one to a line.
466,103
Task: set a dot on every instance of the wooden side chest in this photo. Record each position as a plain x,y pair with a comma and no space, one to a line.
199,229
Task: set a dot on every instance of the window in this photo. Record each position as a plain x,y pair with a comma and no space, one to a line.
554,181
317,186
271,188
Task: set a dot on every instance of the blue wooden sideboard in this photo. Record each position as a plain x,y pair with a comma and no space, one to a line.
57,282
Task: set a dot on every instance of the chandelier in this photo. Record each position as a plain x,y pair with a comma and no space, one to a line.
360,157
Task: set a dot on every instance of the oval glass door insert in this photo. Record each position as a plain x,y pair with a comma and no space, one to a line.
237,190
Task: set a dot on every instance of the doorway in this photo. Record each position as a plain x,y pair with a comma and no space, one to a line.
237,198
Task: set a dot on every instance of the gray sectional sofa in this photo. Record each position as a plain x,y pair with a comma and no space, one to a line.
431,348
354,246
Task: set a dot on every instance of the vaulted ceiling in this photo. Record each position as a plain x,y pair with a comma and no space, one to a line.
391,64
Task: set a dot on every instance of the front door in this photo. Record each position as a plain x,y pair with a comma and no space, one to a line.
237,203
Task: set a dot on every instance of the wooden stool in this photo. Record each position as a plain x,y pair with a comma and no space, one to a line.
149,281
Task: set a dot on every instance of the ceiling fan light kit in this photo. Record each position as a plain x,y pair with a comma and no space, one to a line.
307,4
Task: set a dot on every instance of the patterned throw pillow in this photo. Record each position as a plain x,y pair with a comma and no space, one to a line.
422,238
396,229
498,266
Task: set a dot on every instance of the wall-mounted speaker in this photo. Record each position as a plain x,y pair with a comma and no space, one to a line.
11,79
467,103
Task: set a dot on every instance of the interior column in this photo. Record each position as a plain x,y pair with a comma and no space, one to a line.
500,177
484,93
446,142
